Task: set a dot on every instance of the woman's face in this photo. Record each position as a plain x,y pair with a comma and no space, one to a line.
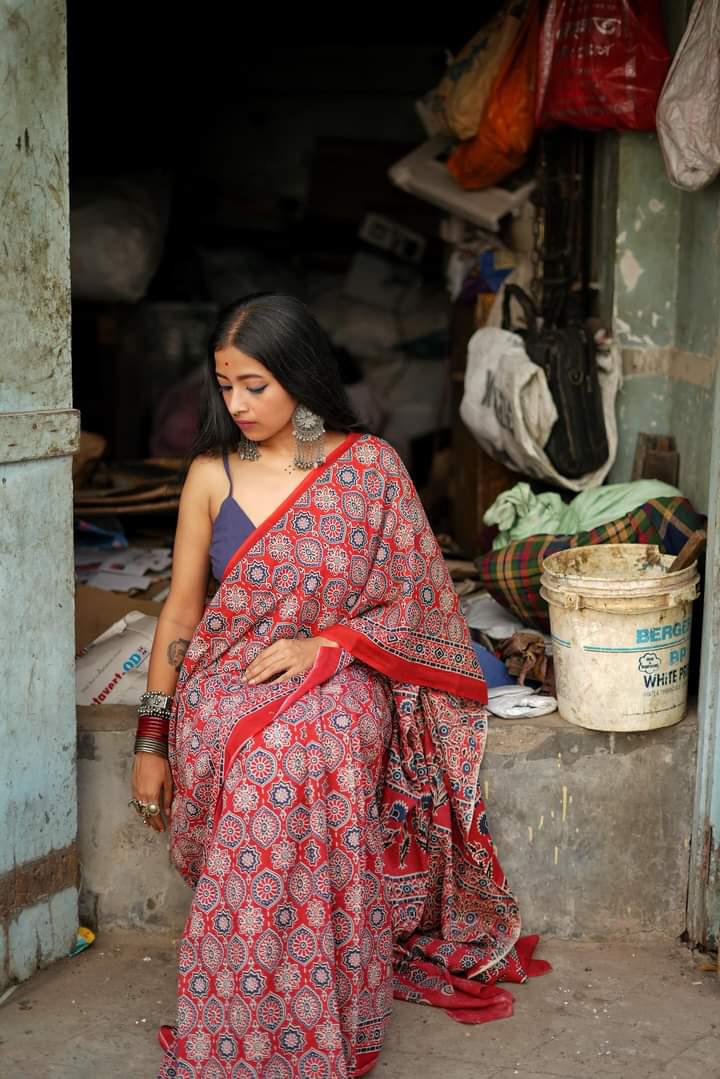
256,401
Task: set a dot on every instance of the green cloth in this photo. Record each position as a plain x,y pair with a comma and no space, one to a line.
518,513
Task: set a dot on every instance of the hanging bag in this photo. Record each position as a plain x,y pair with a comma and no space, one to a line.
578,442
508,408
688,114
458,104
507,126
602,64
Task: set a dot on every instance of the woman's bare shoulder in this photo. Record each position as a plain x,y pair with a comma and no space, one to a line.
205,475
205,465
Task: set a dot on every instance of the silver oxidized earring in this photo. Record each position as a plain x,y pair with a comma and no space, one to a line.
246,449
309,431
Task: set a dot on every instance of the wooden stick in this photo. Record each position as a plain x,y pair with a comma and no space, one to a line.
695,544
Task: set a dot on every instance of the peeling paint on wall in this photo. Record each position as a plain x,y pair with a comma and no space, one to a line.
631,270
665,312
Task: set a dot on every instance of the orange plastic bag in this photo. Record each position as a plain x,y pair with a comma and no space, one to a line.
457,106
508,125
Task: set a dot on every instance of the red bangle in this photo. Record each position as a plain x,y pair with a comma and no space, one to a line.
153,727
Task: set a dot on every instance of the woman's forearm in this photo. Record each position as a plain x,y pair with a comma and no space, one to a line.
172,639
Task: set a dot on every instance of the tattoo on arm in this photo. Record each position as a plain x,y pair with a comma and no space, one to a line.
176,652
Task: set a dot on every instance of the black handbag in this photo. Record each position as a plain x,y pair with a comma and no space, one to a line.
578,441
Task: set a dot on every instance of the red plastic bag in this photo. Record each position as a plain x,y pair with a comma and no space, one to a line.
602,64
507,127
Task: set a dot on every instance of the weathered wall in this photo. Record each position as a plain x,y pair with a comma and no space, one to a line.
665,310
38,431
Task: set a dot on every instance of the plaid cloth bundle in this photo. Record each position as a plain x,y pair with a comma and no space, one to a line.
512,575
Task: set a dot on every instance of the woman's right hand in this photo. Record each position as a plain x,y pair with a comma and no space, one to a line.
152,782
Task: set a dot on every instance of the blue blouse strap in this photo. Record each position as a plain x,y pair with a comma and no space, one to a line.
227,471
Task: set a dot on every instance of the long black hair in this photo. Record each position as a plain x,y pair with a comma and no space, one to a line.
280,333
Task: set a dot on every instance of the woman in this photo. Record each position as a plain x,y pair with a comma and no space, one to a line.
324,734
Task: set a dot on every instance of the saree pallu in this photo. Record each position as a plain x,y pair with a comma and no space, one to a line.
332,825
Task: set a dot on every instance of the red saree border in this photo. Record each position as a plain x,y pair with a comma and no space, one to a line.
284,506
401,670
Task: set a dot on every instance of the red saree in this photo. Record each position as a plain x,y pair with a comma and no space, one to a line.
332,826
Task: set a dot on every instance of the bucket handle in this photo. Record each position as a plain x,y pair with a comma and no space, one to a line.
569,601
575,601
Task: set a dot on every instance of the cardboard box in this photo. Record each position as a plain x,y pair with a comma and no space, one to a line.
96,611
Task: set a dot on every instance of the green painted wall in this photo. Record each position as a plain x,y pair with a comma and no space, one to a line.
692,420
644,404
698,316
646,263
665,314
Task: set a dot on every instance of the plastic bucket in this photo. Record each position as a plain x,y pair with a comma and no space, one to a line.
620,624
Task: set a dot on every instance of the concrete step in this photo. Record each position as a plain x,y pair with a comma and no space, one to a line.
592,829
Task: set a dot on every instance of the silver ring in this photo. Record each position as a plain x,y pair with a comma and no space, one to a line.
145,809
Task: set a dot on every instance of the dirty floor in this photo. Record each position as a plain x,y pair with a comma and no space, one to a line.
605,1011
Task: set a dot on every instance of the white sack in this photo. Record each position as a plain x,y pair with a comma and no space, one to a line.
117,236
113,669
509,408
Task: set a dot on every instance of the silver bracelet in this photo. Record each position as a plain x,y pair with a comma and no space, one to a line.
155,704
151,745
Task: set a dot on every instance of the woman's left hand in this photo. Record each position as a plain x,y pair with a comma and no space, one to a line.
284,659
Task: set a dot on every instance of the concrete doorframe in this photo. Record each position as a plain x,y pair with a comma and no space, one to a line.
704,887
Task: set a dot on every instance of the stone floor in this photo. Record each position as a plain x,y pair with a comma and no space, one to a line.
606,1011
